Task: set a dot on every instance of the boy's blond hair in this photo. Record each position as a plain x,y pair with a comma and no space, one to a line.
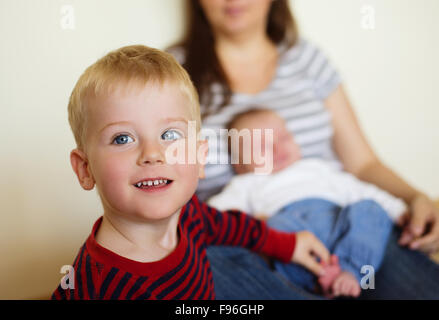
136,64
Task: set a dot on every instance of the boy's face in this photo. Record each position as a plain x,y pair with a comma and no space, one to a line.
284,151
127,134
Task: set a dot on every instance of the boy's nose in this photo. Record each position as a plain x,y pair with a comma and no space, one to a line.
151,154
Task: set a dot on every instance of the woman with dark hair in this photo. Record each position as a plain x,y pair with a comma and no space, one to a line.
242,53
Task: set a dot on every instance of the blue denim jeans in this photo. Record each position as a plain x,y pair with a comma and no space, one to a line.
357,234
241,274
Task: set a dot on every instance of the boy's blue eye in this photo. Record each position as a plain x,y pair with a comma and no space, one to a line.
122,139
170,135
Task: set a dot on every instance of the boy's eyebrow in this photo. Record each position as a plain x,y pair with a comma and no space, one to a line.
113,123
176,119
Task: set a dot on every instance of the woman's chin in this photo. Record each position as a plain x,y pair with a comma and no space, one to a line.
236,27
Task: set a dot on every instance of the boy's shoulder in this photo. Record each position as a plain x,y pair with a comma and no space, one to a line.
82,279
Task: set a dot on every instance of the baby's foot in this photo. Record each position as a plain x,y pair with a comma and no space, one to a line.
332,271
346,285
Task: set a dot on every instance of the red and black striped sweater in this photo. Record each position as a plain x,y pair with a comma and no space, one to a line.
185,273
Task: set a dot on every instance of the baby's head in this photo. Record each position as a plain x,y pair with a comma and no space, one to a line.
284,151
125,112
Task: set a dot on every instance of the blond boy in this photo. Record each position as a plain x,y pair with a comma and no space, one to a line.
125,111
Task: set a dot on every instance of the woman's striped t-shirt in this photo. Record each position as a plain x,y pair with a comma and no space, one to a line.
303,79
185,273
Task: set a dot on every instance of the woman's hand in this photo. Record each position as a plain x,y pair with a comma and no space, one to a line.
308,247
420,225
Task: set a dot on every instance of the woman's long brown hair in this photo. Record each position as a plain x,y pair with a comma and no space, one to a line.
201,60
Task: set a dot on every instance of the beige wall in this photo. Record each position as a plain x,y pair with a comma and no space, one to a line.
45,216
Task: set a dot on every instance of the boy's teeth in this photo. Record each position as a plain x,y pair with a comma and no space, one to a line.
150,183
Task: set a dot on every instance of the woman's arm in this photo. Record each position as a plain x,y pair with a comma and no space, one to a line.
356,154
359,159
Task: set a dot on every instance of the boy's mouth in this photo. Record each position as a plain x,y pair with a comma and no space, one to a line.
153,183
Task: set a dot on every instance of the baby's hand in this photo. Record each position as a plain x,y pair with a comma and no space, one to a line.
308,248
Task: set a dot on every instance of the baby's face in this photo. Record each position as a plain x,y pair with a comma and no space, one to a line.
128,133
284,151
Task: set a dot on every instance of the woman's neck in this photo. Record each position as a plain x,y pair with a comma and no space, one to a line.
239,56
243,45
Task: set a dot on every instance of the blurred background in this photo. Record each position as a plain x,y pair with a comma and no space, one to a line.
385,50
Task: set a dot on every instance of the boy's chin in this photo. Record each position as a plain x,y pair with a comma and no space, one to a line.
157,213
150,211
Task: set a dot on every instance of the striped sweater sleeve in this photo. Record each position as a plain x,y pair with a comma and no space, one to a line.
236,228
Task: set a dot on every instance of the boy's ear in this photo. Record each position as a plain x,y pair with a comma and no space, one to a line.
203,150
80,165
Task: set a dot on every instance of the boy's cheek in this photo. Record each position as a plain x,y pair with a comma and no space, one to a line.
187,175
110,174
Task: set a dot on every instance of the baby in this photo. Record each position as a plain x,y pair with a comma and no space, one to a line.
352,218
126,112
